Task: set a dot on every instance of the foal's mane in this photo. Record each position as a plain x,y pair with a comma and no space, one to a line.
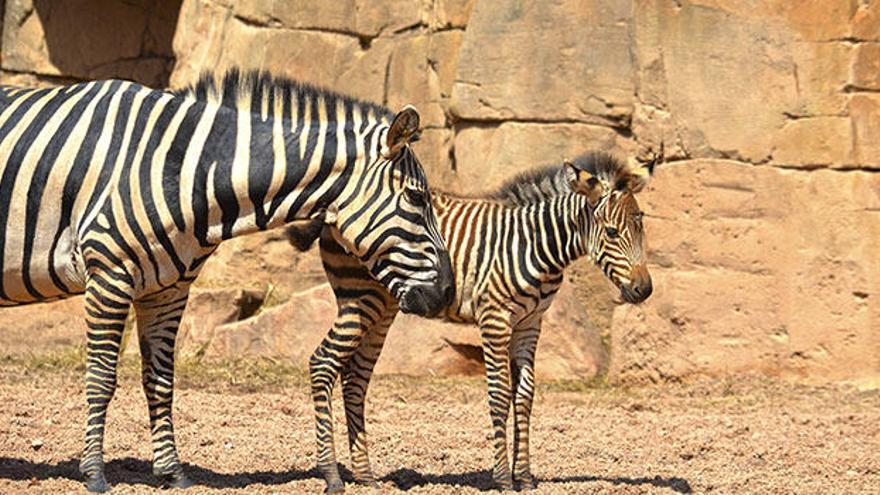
549,181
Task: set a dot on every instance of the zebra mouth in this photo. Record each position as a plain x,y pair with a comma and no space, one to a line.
422,300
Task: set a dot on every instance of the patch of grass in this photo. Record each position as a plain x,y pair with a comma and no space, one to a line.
244,374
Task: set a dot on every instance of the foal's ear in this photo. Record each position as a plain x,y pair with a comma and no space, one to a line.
404,129
583,182
637,179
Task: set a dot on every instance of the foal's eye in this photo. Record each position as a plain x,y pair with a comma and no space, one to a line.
416,197
611,232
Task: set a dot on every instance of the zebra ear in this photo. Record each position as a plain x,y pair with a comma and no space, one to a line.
583,182
638,178
404,129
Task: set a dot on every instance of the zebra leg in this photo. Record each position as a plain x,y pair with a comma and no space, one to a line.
324,367
523,346
157,320
107,308
496,341
355,380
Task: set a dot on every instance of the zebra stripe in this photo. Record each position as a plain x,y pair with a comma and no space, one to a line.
121,192
509,250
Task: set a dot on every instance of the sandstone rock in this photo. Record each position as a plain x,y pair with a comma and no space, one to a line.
727,80
570,346
291,330
408,81
814,141
434,150
865,112
866,22
208,309
213,38
823,70
750,274
451,13
866,67
123,39
443,51
531,62
814,20
485,156
265,262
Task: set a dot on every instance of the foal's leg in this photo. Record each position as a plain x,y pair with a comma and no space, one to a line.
355,380
523,345
158,319
495,334
107,303
324,366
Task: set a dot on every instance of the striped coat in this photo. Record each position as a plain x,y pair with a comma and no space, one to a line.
509,250
121,192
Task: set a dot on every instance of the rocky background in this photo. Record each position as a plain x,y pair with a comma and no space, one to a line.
764,226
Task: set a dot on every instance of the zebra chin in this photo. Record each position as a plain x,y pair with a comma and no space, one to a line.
640,287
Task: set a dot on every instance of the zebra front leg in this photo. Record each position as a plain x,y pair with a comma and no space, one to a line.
355,381
107,308
523,347
496,340
158,319
324,366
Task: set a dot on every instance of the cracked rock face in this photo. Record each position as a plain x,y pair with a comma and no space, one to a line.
762,228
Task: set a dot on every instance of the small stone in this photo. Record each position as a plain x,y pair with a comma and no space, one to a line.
37,444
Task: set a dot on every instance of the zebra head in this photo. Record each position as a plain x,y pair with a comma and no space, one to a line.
615,238
387,222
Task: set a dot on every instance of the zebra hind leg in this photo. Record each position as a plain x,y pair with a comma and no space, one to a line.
107,308
158,320
522,370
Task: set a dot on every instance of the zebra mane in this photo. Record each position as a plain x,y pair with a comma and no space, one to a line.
548,181
227,88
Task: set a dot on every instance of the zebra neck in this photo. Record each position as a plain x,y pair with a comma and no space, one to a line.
266,172
569,239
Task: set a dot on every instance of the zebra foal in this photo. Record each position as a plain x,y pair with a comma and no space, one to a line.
121,192
509,250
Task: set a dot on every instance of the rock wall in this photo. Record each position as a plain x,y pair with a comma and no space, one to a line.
763,225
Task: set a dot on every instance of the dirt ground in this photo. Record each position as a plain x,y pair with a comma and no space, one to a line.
729,436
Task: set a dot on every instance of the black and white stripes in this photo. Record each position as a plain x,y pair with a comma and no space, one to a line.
121,192
508,251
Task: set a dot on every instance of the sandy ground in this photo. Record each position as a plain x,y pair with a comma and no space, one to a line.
745,436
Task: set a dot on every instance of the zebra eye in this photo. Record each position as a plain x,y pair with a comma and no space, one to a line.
416,197
611,232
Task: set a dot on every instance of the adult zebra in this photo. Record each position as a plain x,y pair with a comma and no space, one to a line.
121,192
508,250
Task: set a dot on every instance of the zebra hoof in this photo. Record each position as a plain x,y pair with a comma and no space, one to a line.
505,485
178,480
369,483
527,484
96,483
335,487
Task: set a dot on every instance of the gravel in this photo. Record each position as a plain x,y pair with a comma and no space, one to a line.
746,435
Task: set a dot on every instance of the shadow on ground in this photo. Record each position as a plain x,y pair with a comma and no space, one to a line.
406,479
139,472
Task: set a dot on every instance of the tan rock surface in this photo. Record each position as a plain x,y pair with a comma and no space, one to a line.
570,346
503,86
534,65
750,274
